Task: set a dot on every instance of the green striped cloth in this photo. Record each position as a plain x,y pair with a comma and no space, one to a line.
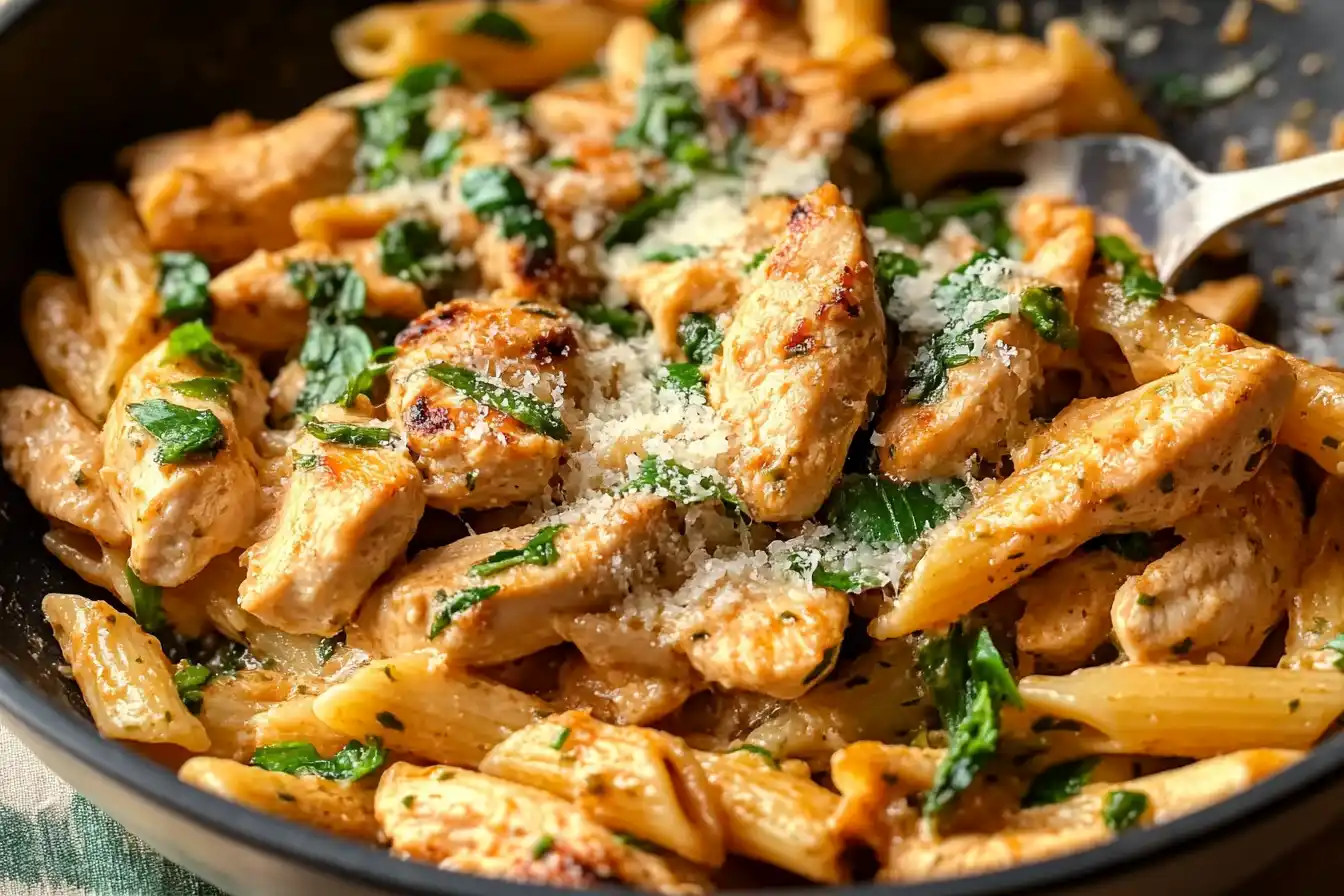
53,842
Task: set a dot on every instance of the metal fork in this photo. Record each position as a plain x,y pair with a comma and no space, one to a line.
1172,206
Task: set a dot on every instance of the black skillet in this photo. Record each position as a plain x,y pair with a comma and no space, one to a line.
81,79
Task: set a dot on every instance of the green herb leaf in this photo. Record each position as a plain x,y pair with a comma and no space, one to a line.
639,843
684,378
334,284
545,843
823,667
306,461
891,266
1045,309
362,383
983,214
194,340
351,434
326,648
539,551
332,355
146,602
454,605
1059,782
699,337
504,108
493,193
1122,809
623,322
189,679
394,131
182,432
560,739
1130,545
667,16
667,478
490,22
206,388
1135,281
353,761
390,721
410,249
183,287
955,344
526,409
629,225
756,260
875,510
668,117
674,253
441,151
754,750
1337,645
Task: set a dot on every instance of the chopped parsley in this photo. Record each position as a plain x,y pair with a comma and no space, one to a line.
1122,809
189,678
1059,782
526,409
206,388
326,648
146,603
183,287
306,461
560,739
362,383
495,25
351,434
684,378
1045,309
756,260
1136,283
969,683
352,762
394,132
623,322
410,249
1146,600
496,195
545,843
453,605
194,340
766,756
699,337
1130,545
666,477
183,433
539,551
390,721
679,252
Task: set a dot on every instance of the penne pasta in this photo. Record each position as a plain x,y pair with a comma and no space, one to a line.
1179,710
66,343
1316,605
126,680
420,705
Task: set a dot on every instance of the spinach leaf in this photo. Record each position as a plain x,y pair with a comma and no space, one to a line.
380,362
441,151
666,477
206,388
955,344
526,409
539,551
410,249
146,603
194,340
674,253
699,337
354,761
494,194
492,23
875,510
351,434
1059,782
330,284
334,350
623,322
684,378
668,118
183,287
1136,283
182,432
1122,809
983,214
189,679
629,225
969,683
394,131
756,260
454,605
1044,308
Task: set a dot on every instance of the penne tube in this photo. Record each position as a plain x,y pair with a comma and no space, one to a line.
556,37
852,33
636,780
1232,302
874,780
339,808
230,703
1183,710
624,57
1316,606
330,220
777,817
126,680
420,705
960,47
66,343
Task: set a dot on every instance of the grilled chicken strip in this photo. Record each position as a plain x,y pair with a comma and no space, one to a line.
181,515
347,514
803,359
54,454
1068,608
607,547
1223,588
474,456
1141,460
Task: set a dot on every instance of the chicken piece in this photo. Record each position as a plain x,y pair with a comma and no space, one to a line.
580,109
228,197
710,283
181,515
1068,608
54,454
510,265
607,547
803,359
1222,589
760,630
600,177
474,456
1138,461
256,304
619,696
465,821
67,345
1057,242
984,410
623,638
347,514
